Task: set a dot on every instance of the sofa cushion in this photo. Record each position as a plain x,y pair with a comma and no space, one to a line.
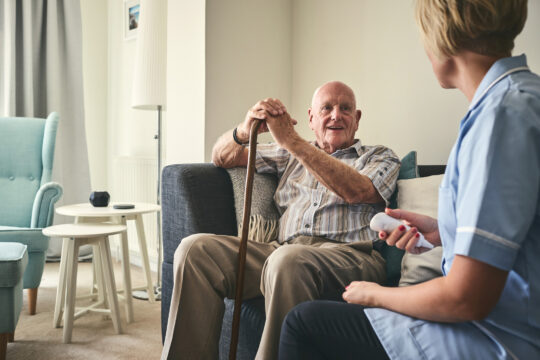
393,255
32,238
408,170
264,218
420,195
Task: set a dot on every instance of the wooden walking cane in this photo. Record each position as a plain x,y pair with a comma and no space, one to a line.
243,239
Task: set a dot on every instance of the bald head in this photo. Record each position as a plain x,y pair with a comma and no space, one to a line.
334,87
333,116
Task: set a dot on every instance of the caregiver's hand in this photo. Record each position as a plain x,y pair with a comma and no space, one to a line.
362,293
407,240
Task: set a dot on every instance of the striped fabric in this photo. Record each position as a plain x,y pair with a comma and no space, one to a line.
308,208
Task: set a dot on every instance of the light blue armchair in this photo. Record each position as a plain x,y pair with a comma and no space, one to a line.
27,195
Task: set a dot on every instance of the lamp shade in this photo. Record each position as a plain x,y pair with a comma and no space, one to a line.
150,70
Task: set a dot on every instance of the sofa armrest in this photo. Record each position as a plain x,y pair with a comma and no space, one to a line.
428,170
43,208
196,198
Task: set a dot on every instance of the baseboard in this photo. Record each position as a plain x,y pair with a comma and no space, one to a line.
135,258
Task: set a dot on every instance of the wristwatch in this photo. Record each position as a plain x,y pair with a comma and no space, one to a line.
235,137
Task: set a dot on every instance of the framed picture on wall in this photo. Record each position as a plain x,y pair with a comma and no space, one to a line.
131,18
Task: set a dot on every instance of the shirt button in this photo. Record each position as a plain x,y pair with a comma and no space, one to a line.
11,178
380,173
307,226
315,204
31,178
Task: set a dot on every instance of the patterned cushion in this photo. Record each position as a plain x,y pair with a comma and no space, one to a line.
264,217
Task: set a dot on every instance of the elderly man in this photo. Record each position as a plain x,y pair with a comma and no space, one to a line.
327,193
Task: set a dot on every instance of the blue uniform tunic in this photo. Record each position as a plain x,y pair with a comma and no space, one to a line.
489,210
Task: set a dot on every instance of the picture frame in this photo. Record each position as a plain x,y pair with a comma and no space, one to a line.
131,18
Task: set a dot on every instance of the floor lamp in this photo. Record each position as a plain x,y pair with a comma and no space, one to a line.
149,89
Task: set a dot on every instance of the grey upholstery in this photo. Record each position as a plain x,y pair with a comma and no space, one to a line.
198,198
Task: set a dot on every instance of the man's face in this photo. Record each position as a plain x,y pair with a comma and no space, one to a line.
333,116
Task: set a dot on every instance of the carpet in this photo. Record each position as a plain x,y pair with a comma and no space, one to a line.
93,334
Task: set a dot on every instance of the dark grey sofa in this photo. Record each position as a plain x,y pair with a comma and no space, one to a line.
198,198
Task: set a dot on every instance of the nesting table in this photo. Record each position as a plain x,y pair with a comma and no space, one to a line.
86,213
76,235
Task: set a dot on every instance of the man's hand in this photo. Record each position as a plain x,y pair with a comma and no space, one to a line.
261,110
407,240
282,129
226,152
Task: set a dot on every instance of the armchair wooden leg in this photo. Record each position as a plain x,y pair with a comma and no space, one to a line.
3,345
11,337
32,300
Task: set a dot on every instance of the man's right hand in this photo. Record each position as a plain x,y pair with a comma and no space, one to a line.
407,240
262,109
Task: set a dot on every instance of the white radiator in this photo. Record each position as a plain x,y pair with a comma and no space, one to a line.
134,179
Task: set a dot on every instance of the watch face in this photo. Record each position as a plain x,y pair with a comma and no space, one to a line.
99,198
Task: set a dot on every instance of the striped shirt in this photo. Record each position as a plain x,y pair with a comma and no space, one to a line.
308,208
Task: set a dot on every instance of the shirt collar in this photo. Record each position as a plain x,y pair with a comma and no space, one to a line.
356,146
498,68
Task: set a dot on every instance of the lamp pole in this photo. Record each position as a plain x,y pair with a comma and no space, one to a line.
142,294
160,259
149,93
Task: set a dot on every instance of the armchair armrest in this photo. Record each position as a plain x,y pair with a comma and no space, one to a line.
43,208
196,198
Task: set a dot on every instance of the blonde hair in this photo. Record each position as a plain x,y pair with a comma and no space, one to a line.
486,27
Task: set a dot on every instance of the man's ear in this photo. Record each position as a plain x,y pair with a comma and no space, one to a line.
358,116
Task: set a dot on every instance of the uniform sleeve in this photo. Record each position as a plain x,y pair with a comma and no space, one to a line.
270,158
382,168
499,169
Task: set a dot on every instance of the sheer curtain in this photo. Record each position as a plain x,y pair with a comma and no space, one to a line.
40,72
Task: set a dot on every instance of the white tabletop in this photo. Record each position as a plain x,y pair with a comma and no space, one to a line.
86,209
83,230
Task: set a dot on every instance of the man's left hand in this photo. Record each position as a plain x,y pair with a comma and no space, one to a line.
282,129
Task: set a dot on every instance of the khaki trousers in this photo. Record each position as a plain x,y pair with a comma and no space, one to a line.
286,275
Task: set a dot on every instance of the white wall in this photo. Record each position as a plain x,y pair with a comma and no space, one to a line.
528,41
374,46
223,56
185,124
113,127
286,48
248,58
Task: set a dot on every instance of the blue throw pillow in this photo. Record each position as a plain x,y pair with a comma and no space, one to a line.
393,255
408,170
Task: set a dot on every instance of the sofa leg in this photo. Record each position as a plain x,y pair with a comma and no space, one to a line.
3,345
32,300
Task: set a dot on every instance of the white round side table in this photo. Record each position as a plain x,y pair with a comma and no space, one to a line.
76,235
86,213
